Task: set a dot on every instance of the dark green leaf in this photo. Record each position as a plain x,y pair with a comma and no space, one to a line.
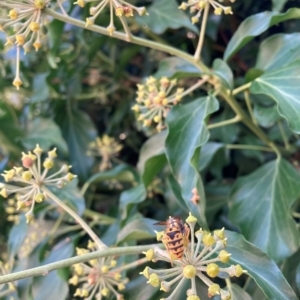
137,230
254,26
40,87
222,70
268,194
260,267
207,153
237,293
278,51
283,86
52,286
152,157
266,116
175,66
45,133
78,130
164,15
187,132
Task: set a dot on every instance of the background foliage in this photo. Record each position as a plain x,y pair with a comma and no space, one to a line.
83,86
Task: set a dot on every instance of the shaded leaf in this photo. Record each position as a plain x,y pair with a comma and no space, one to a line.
268,194
164,15
278,4
175,66
277,51
222,70
52,286
78,130
266,116
283,86
40,87
186,134
207,153
137,230
260,267
237,293
45,133
254,26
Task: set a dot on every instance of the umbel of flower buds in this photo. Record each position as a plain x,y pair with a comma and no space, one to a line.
27,182
202,260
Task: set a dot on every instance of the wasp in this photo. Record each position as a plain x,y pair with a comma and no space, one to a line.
176,237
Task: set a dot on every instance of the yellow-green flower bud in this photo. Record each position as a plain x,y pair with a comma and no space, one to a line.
27,175
189,271
34,26
78,269
80,3
121,286
165,286
39,198
239,271
93,262
52,153
212,270
48,164
3,193
159,235
135,108
225,295
117,276
74,280
70,176
105,292
91,245
228,10
113,263
38,150
220,234
10,210
105,269
149,254
213,290
208,240
119,11
193,297
29,217
146,272
224,256
191,219
40,4
154,280
13,14
84,293
218,11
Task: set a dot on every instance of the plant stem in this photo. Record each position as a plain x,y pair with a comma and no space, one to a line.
249,106
44,270
135,40
236,119
5,293
249,147
132,265
103,219
241,88
197,54
76,217
284,137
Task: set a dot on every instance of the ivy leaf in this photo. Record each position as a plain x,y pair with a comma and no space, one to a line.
175,66
45,133
268,193
278,4
282,85
187,132
277,51
237,293
78,130
254,26
260,267
137,230
222,70
164,15
266,116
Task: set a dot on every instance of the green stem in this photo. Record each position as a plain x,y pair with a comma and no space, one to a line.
197,54
103,219
248,147
132,265
236,119
5,293
76,217
241,88
44,270
284,137
134,39
249,106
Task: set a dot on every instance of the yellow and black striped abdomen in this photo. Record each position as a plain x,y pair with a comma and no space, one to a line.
174,242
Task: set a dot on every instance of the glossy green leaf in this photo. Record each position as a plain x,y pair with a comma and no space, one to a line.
45,133
260,267
237,293
283,86
266,116
52,286
137,288
277,51
187,132
123,173
222,70
207,154
278,4
78,130
40,88
71,195
268,194
254,26
175,66
137,230
164,15
152,157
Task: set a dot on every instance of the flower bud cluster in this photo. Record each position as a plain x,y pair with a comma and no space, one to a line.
120,8
154,100
200,260
27,21
197,6
6,268
98,277
107,148
30,179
